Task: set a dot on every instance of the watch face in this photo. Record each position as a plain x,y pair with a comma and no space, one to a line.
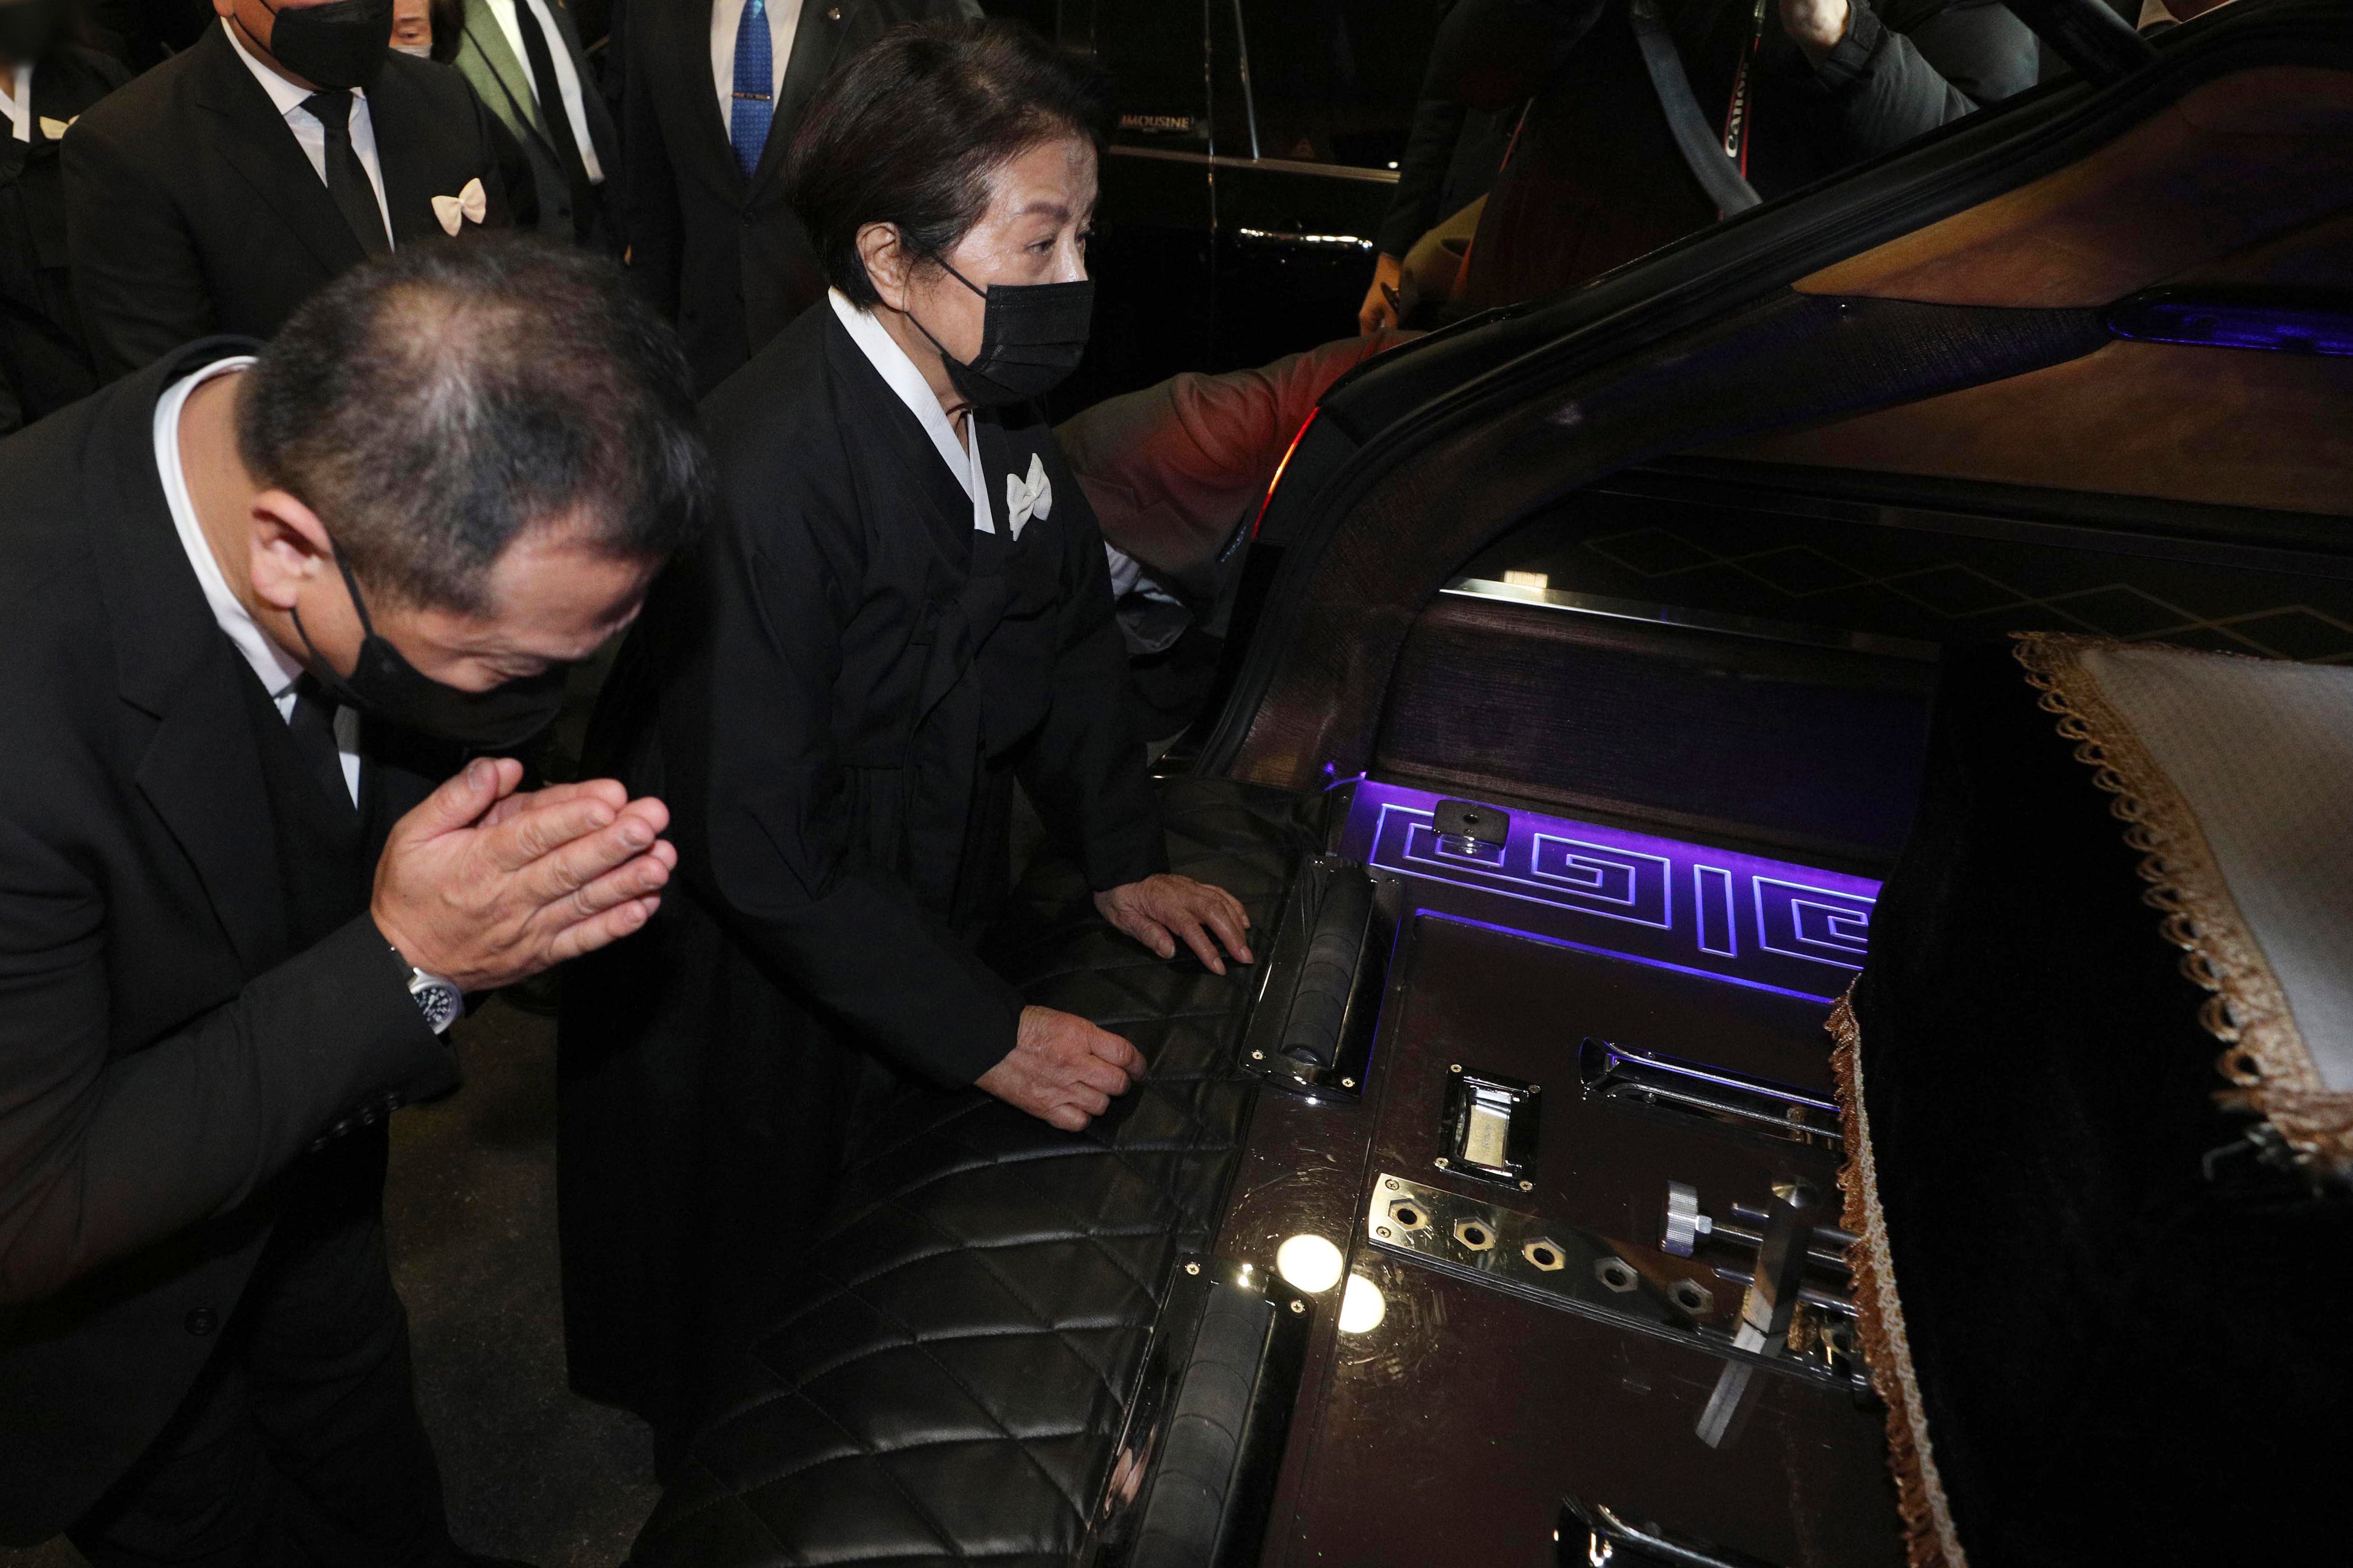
439,1001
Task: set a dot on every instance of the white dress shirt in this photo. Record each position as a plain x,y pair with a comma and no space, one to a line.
277,671
726,16
567,80
16,103
310,134
883,352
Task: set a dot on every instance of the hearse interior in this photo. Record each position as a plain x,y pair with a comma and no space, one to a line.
1797,801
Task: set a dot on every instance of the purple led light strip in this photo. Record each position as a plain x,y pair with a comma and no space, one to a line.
1774,925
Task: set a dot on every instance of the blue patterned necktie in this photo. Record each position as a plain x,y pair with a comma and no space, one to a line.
754,107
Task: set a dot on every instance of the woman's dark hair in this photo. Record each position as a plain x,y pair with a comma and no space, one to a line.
908,130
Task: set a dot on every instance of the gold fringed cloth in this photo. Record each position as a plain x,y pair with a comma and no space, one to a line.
1929,1536
2233,777
2096,1079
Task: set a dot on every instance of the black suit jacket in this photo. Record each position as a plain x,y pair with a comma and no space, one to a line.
503,82
191,209
724,256
164,1057
44,365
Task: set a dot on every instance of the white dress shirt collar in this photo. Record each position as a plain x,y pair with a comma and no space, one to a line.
567,80
276,669
283,94
311,136
891,362
17,101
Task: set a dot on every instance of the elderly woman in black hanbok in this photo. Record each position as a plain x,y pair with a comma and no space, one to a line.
906,609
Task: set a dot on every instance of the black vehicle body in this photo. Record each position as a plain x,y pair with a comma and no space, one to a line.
1256,153
1661,570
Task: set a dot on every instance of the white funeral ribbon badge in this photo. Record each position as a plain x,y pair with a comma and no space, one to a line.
469,206
1026,498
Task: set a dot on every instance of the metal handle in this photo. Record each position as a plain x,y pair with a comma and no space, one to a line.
1592,1535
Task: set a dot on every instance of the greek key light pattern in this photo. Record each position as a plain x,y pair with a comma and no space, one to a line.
1742,919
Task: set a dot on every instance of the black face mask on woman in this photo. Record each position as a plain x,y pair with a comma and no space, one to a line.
385,686
1031,336
29,29
342,44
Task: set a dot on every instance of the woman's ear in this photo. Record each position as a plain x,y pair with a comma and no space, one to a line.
885,261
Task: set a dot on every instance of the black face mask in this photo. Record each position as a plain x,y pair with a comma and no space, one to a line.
385,686
1031,335
342,44
29,29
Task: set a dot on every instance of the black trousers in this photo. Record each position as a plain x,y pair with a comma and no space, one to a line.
299,1445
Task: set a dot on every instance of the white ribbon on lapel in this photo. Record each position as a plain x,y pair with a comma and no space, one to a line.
54,129
469,206
1026,498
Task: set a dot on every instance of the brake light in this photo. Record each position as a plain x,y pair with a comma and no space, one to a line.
1269,500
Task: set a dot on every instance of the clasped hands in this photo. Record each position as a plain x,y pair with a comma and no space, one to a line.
1063,1069
485,884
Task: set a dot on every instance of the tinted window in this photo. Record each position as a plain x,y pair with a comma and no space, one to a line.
1334,81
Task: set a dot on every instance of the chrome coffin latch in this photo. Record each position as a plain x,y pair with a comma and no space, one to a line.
1489,1127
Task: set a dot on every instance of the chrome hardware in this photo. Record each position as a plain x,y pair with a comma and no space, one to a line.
1600,1537
1686,1224
1490,1126
1319,1005
1472,831
1828,1301
1624,1073
1481,1244
1766,1308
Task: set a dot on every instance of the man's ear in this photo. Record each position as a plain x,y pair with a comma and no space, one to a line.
290,549
886,262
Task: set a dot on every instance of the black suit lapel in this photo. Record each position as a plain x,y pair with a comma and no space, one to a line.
591,103
876,421
262,149
689,54
889,442
203,776
817,43
406,143
199,770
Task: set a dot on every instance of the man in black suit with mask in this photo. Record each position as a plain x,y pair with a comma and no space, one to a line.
229,184
713,92
251,611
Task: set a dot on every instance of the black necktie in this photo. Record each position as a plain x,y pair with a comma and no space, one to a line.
549,89
312,726
347,179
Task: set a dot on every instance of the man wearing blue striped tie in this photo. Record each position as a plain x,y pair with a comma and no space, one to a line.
711,240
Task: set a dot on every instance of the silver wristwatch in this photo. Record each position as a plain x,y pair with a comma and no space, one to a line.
439,1000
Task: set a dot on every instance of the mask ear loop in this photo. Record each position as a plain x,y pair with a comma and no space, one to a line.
352,586
927,332
367,626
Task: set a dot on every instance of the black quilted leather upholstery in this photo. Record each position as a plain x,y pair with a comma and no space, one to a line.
949,1381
